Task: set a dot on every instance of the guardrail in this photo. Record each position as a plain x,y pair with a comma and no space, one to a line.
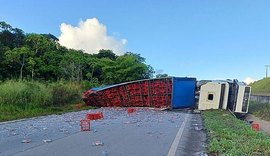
260,98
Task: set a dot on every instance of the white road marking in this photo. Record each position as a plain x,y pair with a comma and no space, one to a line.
176,141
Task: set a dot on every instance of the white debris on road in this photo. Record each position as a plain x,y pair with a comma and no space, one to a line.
19,136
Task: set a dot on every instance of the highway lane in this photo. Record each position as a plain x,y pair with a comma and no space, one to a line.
146,132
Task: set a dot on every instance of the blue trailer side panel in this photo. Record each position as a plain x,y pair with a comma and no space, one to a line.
183,92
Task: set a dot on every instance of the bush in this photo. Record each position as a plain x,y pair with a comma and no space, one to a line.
20,99
88,84
24,94
65,93
261,110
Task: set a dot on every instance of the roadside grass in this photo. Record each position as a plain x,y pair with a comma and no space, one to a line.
228,135
9,113
261,110
24,99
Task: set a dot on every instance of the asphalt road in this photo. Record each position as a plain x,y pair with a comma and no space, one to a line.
146,132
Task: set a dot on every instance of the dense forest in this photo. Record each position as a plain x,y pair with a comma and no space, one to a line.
31,56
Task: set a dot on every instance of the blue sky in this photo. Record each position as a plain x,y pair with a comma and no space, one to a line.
210,39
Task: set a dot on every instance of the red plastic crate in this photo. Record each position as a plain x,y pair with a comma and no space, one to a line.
94,116
100,115
115,102
145,90
90,116
146,101
85,125
255,126
131,110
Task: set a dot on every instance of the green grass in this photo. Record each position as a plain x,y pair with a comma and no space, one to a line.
230,136
261,110
261,86
9,113
23,99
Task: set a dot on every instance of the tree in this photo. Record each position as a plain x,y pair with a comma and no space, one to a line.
72,65
92,68
128,67
137,57
7,38
39,45
11,37
109,69
19,37
48,65
161,75
106,54
50,37
3,70
18,55
5,26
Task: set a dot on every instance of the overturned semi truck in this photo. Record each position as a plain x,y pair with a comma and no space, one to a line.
172,93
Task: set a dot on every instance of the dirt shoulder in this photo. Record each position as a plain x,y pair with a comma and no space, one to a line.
264,125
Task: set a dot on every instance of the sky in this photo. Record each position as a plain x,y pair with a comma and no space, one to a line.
206,39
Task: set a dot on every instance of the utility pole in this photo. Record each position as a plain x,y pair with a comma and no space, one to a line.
266,70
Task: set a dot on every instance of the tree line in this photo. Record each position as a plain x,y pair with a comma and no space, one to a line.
31,56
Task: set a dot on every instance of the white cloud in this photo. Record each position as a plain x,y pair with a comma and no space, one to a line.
91,36
248,80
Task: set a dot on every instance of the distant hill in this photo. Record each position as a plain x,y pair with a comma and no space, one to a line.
261,86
